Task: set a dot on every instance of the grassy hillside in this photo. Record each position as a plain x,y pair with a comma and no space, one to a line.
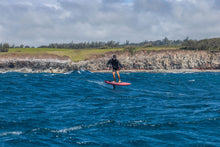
77,54
73,54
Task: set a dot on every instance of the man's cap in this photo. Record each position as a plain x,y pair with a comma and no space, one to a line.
114,56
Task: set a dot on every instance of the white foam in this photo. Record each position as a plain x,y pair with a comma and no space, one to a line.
68,129
11,133
151,91
99,123
138,121
192,80
98,82
80,127
3,72
67,73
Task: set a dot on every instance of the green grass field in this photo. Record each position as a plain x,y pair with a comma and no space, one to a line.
78,54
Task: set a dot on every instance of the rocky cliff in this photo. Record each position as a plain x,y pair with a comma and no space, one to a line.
140,60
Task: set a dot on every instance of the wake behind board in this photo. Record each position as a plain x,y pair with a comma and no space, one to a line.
118,84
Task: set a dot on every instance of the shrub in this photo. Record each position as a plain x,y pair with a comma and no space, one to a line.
130,49
104,47
147,45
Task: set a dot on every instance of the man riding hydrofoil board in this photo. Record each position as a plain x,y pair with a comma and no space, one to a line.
116,66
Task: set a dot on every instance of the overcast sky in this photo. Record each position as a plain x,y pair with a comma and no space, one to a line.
38,22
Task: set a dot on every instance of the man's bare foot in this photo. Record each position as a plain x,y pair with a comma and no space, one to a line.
113,81
119,81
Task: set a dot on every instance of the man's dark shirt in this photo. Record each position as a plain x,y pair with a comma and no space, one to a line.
115,64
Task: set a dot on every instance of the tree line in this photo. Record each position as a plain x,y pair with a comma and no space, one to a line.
205,44
98,44
113,44
187,44
163,42
83,45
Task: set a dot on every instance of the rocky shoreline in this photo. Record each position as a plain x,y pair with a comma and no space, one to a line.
140,61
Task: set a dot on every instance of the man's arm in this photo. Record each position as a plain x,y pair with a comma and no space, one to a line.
109,61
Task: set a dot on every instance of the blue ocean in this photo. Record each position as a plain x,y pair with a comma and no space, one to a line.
79,109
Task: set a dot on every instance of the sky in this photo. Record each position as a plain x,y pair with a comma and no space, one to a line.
40,22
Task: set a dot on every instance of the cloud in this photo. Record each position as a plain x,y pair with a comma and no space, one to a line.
42,22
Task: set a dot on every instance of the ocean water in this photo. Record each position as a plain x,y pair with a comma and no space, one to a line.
79,109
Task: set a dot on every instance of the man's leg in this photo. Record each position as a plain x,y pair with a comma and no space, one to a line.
113,73
119,78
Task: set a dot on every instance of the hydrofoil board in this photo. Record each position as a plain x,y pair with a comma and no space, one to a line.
117,83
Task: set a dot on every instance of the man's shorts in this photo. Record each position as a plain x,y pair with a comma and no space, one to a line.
115,69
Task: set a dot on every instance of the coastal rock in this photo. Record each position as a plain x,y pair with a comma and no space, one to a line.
140,60
164,60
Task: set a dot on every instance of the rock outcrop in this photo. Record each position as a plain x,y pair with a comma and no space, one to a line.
140,60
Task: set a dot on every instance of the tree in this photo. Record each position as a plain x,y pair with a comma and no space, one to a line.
187,38
165,41
4,47
13,46
21,46
127,42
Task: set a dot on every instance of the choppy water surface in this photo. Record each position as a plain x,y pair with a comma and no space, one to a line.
78,108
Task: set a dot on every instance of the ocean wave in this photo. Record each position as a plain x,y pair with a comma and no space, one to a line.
11,133
89,143
97,82
193,80
69,72
82,127
142,124
71,129
68,129
78,72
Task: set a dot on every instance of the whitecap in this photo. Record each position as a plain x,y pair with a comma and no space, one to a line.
67,73
80,127
100,123
68,129
193,80
11,133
